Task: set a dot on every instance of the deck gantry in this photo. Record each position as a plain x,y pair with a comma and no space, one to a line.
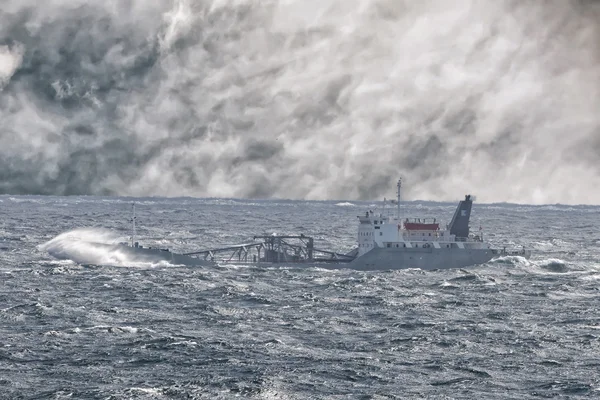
274,249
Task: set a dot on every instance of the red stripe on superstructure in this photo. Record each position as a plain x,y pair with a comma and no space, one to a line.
418,226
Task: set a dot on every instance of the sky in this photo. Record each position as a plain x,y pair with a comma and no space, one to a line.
302,99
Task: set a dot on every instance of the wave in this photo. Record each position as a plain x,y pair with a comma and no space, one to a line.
554,265
93,246
511,260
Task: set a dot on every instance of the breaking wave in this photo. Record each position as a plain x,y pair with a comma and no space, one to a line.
553,265
92,246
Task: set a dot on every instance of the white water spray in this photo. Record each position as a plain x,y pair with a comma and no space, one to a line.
91,246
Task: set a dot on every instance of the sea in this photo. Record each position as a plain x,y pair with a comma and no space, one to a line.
101,326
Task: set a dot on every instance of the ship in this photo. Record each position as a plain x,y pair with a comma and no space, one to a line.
384,242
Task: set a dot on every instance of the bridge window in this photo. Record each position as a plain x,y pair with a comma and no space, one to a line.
380,233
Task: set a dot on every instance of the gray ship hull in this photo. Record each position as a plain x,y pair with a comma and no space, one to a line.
383,258
122,253
150,255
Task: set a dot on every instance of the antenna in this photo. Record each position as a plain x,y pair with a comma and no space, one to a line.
133,225
399,198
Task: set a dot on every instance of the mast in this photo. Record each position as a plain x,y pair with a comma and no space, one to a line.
399,187
133,225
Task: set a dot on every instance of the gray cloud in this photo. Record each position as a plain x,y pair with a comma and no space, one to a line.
327,99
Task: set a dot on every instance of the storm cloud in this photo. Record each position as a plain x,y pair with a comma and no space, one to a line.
306,99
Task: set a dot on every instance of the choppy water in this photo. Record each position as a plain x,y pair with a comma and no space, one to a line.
509,329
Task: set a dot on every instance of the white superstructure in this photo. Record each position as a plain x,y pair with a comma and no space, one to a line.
395,242
376,230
